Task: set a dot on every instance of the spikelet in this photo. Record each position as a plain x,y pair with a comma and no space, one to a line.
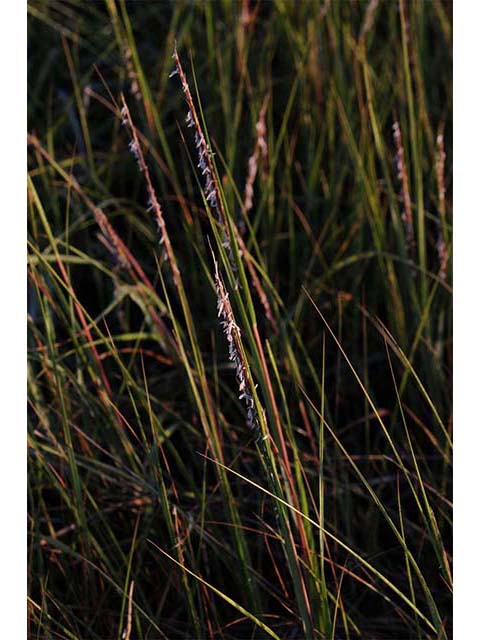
261,149
407,216
153,204
235,354
440,171
132,74
205,161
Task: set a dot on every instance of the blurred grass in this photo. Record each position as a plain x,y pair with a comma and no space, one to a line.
154,510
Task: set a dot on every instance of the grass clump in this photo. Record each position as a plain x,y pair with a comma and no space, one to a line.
240,331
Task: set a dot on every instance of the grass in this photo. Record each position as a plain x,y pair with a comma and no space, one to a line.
240,320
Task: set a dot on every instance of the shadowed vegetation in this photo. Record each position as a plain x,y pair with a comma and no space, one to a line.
239,319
